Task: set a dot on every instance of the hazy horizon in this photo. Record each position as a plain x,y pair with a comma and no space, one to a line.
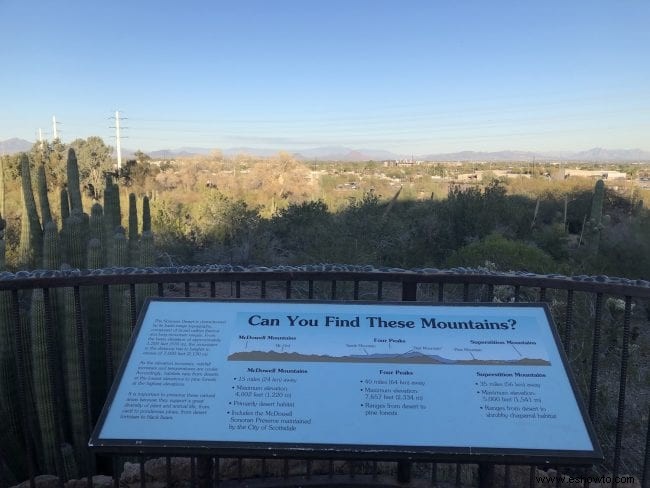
409,78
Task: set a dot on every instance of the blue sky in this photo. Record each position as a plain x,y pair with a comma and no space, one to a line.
407,76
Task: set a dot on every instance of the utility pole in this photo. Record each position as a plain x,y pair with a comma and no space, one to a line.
41,142
117,140
118,137
55,132
532,175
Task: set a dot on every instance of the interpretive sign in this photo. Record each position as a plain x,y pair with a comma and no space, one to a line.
456,380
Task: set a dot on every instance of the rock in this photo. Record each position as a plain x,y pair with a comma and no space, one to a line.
157,468
42,481
99,481
155,471
131,473
149,484
102,481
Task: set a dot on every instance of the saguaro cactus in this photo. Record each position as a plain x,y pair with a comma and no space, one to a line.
65,205
43,393
43,200
112,211
133,230
72,373
92,296
11,442
133,218
31,239
147,259
112,217
147,253
71,469
51,247
595,224
120,299
73,181
3,244
74,235
96,222
146,215
2,187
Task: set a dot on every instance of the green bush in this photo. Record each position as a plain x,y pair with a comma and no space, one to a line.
176,233
231,231
303,231
496,251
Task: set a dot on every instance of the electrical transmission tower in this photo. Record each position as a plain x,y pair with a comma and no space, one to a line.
55,128
118,139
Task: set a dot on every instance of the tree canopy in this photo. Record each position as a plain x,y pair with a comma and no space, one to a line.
94,158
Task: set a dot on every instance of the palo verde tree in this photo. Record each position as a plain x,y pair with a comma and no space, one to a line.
94,158
52,156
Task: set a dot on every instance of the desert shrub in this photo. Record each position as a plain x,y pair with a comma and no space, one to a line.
515,221
553,240
624,249
176,232
472,213
370,231
230,231
504,254
303,231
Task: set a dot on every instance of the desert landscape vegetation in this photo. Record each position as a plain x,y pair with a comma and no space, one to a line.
62,208
431,151
541,216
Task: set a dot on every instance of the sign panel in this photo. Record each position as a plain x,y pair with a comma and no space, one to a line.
383,377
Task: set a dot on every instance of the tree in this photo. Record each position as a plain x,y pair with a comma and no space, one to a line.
39,153
94,159
139,170
52,155
56,164
141,157
11,166
282,178
232,230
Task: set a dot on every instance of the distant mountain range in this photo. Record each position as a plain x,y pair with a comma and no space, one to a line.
14,145
330,153
342,153
410,357
595,154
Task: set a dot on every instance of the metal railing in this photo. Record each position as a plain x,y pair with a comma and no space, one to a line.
603,322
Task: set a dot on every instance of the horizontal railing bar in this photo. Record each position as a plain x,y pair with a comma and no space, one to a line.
124,276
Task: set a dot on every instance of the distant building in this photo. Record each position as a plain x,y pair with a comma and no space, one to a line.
600,174
403,162
479,175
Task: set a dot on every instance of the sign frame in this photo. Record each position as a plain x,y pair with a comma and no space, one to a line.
352,451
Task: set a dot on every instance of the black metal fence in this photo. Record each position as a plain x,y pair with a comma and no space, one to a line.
603,322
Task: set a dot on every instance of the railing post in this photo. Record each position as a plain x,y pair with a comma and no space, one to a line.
595,357
645,480
485,475
409,291
568,323
620,420
403,471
